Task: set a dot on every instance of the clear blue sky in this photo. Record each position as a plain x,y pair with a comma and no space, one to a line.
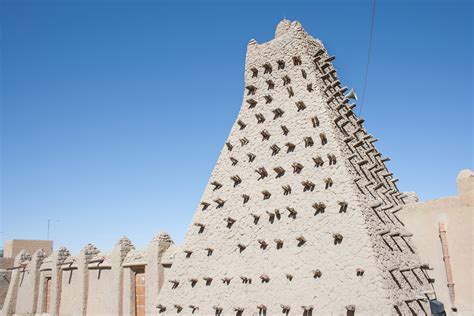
114,112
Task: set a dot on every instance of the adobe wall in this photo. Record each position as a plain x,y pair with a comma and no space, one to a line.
71,296
106,280
102,286
13,247
6,263
28,287
5,277
75,281
278,248
19,264
113,291
91,283
456,213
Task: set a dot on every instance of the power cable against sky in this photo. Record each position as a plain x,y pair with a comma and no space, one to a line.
368,56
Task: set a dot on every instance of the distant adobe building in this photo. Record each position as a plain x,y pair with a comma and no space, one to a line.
444,236
300,216
12,248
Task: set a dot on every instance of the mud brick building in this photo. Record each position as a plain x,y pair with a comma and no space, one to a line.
301,216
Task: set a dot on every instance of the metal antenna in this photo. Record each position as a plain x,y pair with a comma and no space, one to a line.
50,221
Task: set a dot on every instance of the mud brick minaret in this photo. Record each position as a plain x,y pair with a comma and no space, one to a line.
300,213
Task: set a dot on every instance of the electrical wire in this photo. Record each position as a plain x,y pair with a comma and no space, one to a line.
368,56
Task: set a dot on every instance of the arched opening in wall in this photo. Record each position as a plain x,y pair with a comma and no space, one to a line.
139,290
47,295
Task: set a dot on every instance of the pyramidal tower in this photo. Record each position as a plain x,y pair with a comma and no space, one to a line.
300,213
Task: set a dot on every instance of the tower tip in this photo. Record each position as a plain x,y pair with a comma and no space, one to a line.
286,26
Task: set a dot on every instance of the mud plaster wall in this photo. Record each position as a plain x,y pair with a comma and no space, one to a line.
451,210
5,277
106,280
27,292
295,96
456,213
101,286
71,292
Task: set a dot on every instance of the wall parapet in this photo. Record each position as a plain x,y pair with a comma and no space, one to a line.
91,283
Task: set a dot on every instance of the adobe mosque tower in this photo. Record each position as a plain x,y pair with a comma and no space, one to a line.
300,213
